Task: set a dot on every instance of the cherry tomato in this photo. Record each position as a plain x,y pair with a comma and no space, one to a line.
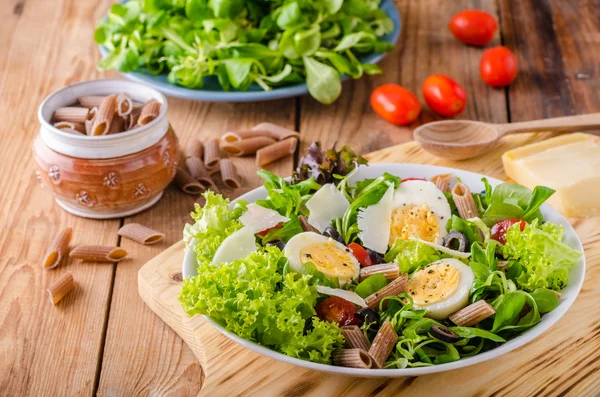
498,66
474,27
413,179
444,95
264,232
337,310
501,227
395,104
361,254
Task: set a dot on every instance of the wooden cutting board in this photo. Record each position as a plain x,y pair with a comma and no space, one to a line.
564,359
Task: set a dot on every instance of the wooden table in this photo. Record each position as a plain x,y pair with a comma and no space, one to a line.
102,338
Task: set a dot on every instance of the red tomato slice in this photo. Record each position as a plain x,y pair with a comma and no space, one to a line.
395,104
444,95
474,27
264,232
498,66
337,310
361,254
501,227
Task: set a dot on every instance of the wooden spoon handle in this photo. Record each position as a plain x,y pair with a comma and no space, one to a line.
581,122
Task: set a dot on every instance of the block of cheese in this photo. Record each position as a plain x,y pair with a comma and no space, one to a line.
570,164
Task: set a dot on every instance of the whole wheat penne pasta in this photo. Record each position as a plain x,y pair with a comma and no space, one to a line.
117,125
212,154
124,104
91,101
70,125
132,118
187,183
391,271
194,148
237,136
307,227
247,147
140,234
502,264
229,174
92,114
383,344
58,249
465,204
472,314
392,289
71,113
355,338
276,151
61,287
89,125
98,253
104,116
442,182
353,358
150,111
278,132
199,172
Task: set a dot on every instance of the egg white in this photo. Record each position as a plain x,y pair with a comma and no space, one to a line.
424,193
452,303
344,273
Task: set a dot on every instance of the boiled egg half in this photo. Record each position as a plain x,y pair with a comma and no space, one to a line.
330,257
419,210
441,288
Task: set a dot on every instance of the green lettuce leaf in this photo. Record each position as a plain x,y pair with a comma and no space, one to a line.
253,299
512,201
411,255
545,259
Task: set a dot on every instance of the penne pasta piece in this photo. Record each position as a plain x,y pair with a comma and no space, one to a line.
355,338
104,116
383,344
199,172
71,113
229,174
132,118
231,137
140,234
91,101
124,105
212,154
89,124
276,131
61,287
392,289
194,148
276,151
391,271
465,204
98,253
70,125
247,146
117,125
472,314
442,182
150,111
91,114
58,249
187,184
353,358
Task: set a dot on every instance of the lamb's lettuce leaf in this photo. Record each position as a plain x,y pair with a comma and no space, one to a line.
512,201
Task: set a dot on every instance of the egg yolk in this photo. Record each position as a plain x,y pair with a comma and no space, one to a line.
414,221
329,260
433,284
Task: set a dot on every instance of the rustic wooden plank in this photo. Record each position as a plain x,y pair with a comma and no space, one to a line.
426,47
138,343
44,350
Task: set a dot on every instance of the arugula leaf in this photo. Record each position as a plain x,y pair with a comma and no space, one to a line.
469,332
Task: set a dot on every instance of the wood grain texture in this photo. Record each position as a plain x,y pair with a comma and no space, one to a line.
565,360
425,47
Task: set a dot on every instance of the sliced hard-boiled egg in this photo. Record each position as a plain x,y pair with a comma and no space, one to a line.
327,204
441,288
259,218
329,257
419,210
374,223
236,246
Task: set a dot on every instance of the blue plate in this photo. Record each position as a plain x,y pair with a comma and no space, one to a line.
212,91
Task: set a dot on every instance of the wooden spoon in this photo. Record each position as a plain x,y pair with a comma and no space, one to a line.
464,139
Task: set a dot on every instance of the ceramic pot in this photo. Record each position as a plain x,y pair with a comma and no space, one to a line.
106,176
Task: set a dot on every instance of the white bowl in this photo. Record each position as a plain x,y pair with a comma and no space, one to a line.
473,180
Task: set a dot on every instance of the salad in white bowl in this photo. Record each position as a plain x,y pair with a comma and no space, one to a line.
349,265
